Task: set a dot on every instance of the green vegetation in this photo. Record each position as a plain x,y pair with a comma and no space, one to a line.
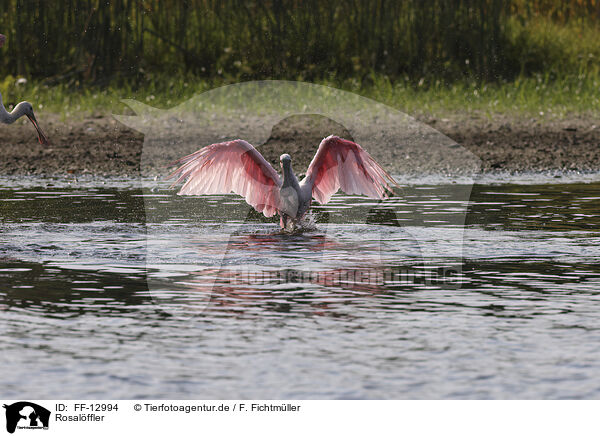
532,96
126,40
529,56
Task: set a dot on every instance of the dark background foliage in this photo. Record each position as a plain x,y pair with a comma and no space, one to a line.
99,41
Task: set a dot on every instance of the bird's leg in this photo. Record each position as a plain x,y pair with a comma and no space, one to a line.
295,224
288,223
283,220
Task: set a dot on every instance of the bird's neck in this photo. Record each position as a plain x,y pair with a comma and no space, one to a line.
10,117
289,178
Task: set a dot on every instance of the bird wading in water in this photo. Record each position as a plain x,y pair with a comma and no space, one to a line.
236,166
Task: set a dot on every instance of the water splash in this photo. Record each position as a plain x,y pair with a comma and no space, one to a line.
306,224
309,221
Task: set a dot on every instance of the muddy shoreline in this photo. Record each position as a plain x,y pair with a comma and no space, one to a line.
101,146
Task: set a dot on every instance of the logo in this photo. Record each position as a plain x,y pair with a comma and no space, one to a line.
220,247
26,415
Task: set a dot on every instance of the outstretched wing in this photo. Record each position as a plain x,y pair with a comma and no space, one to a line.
233,166
345,165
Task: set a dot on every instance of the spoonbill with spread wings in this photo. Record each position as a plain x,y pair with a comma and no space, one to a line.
236,166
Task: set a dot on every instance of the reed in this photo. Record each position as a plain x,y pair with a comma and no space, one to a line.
88,41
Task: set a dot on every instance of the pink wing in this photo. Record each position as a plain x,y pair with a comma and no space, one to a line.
233,166
345,165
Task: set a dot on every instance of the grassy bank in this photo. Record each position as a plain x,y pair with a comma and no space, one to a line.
536,96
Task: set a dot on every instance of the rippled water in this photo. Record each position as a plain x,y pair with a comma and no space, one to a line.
121,293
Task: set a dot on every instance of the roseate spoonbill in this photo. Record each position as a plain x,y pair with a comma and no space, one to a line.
23,108
236,166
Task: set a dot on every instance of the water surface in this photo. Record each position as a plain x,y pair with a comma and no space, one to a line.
116,292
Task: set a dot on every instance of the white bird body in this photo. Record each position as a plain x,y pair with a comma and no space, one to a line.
294,197
236,166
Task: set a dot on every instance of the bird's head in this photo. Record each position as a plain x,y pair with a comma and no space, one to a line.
285,159
27,110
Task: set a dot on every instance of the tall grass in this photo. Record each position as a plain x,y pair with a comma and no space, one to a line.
93,41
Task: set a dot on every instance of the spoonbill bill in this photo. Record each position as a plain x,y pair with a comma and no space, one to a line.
236,166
